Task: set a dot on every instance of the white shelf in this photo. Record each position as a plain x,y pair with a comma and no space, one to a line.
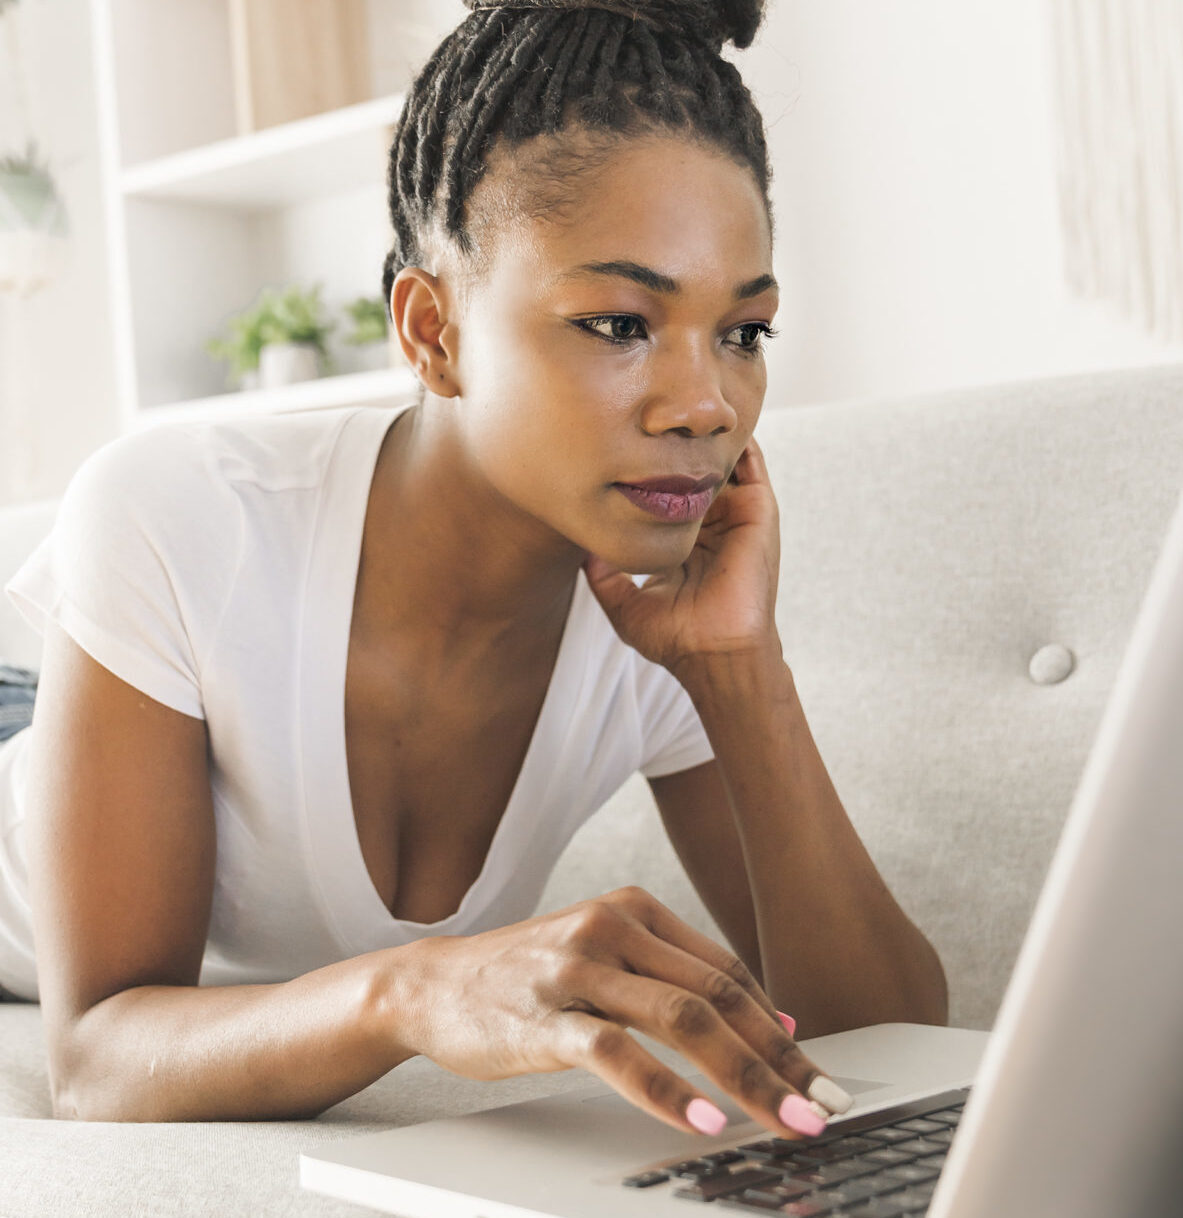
326,154
390,385
199,219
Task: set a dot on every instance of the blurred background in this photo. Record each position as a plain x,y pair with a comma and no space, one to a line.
192,202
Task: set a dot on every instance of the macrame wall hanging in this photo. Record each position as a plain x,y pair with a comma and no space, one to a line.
33,225
1118,102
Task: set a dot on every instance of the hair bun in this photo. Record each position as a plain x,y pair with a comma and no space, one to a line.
717,21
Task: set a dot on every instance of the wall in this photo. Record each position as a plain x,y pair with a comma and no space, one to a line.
918,242
916,202
57,387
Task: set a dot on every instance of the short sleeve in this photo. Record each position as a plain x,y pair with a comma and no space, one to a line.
121,572
673,736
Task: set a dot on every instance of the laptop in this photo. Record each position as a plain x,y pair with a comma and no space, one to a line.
1071,1108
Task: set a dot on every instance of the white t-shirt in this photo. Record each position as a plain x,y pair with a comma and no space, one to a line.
213,566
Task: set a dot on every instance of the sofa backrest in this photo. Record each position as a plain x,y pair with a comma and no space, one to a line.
944,559
22,527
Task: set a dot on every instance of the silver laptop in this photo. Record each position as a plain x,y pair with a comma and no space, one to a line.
1076,1105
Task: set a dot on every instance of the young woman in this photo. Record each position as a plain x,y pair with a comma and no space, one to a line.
324,696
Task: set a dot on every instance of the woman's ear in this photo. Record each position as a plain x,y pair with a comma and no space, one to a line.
420,306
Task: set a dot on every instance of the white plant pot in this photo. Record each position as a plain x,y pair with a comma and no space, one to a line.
32,233
286,364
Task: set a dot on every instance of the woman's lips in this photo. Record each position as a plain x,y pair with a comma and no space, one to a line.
675,499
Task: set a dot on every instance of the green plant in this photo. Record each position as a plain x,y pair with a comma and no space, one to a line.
368,314
27,164
293,315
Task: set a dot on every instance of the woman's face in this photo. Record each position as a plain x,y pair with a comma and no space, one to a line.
610,362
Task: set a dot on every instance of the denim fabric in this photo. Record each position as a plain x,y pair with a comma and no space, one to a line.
18,688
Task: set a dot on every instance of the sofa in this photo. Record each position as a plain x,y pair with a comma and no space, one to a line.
960,573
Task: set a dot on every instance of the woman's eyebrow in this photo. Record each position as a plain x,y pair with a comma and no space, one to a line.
753,287
645,276
655,281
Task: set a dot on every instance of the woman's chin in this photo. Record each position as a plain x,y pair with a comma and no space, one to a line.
652,558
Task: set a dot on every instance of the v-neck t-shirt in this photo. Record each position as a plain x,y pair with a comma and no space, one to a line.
213,566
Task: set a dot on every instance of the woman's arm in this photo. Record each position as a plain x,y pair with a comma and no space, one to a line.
121,860
700,826
121,857
762,829
835,949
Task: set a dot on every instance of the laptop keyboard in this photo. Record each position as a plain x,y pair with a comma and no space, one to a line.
881,1165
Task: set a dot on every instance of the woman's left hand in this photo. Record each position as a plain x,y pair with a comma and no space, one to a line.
720,601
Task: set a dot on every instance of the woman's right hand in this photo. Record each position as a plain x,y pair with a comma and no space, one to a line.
559,990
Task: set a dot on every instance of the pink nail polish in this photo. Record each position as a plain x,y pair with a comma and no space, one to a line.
705,1117
789,1022
796,1113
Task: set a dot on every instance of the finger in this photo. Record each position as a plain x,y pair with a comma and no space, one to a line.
611,586
661,921
751,466
608,1051
686,1021
772,1039
724,981
767,1034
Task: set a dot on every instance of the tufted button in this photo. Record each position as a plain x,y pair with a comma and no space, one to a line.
1051,664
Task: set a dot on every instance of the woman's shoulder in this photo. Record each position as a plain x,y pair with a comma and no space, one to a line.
282,451
196,471
273,450
138,479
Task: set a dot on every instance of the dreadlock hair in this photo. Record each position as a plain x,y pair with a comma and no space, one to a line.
520,69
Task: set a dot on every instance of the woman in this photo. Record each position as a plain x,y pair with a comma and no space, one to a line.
323,697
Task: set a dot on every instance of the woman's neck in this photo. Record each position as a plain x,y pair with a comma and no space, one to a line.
444,553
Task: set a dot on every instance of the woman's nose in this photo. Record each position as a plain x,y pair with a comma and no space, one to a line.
686,396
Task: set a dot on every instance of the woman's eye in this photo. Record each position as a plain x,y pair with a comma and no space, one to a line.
616,327
751,335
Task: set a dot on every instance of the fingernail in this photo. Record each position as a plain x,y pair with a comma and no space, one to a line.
705,1117
789,1022
828,1093
796,1113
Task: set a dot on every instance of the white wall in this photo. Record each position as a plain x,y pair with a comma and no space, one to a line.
57,382
915,197
916,201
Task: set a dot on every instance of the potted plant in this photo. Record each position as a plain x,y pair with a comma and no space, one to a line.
239,348
279,340
33,224
370,330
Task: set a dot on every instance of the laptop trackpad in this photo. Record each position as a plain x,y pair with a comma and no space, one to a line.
854,1086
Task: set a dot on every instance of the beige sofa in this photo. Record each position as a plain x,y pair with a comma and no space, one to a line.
960,572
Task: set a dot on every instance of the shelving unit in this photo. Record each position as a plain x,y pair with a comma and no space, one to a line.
199,218
324,155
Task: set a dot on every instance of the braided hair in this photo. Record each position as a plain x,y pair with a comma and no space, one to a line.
519,69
